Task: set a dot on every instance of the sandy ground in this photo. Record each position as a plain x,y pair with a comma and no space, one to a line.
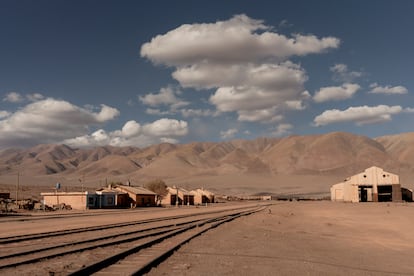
304,238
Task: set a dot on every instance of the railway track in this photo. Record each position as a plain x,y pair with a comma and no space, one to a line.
128,248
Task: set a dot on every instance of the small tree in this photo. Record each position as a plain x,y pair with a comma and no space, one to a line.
159,187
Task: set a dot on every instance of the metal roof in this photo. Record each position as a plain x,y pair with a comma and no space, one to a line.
135,190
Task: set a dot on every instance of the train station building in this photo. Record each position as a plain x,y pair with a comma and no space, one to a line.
372,185
177,196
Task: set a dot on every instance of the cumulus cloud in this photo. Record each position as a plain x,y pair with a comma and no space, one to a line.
360,115
282,130
251,56
166,96
166,127
336,93
13,97
50,121
342,74
266,86
133,134
234,40
264,115
130,129
389,90
228,134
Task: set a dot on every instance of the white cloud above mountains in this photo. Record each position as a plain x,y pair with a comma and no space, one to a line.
14,97
389,90
243,59
49,121
282,130
228,134
360,115
342,74
133,134
166,96
232,41
58,121
336,93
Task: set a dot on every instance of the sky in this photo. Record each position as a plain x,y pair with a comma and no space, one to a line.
136,73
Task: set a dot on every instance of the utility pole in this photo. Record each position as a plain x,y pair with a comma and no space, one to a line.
17,185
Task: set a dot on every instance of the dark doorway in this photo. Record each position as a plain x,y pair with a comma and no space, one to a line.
365,193
384,193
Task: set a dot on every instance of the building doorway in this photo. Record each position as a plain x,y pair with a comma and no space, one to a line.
384,193
365,193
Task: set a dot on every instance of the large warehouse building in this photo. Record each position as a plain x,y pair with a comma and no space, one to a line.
374,184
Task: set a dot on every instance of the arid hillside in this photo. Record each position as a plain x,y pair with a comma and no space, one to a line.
333,155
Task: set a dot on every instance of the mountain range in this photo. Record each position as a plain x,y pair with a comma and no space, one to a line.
326,154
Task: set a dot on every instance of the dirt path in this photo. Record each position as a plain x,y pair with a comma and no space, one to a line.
304,238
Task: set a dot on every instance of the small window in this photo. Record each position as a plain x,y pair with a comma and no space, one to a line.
365,176
383,175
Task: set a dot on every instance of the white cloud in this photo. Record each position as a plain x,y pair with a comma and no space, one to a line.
342,74
133,134
232,41
264,87
267,76
4,114
35,97
264,115
282,130
228,134
166,127
166,96
360,115
390,90
169,140
50,121
336,93
131,128
243,59
157,112
107,113
295,105
13,97
197,113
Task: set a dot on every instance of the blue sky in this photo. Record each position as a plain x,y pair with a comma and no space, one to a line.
89,73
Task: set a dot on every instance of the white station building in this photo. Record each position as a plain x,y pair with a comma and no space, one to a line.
372,185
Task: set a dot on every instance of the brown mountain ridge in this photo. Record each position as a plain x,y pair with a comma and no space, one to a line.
307,164
331,153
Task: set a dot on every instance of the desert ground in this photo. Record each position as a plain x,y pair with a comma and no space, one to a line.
287,238
304,238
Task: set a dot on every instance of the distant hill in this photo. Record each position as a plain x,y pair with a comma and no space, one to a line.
326,154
